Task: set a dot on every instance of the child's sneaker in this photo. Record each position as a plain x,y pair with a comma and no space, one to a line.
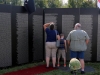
58,65
64,65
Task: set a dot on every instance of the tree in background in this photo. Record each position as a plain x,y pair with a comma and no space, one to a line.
2,1
13,2
81,3
48,3
71,4
41,3
55,3
88,4
16,2
38,3
75,3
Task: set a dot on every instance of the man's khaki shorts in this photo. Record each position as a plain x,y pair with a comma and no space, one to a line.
51,49
61,53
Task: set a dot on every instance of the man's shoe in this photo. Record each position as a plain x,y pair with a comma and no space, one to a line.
71,72
82,72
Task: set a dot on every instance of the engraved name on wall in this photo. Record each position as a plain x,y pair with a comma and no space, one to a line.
38,37
5,40
86,22
22,37
67,26
98,40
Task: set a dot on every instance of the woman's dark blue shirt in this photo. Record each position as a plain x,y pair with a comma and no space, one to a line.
51,35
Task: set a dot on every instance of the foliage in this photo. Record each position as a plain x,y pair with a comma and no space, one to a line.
13,2
56,3
81,3
49,3
41,3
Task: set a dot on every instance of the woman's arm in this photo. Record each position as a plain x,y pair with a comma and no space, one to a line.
46,25
58,37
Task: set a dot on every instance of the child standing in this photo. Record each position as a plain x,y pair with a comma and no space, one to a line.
62,50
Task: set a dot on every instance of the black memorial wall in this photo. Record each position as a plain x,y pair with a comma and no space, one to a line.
5,36
22,38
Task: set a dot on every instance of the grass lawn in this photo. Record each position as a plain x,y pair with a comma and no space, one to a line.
96,66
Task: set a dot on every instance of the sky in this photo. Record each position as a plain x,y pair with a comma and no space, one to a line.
65,1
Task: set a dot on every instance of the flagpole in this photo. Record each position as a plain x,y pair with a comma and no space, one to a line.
96,4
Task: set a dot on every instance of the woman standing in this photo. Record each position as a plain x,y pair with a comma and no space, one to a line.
50,45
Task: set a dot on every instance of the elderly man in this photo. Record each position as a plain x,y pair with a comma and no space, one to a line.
77,41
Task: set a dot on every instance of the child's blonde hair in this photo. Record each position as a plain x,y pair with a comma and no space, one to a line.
61,35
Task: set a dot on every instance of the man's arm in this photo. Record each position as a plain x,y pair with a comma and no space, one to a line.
65,45
68,40
86,37
68,43
87,41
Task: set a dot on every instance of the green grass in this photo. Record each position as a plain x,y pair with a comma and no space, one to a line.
96,66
